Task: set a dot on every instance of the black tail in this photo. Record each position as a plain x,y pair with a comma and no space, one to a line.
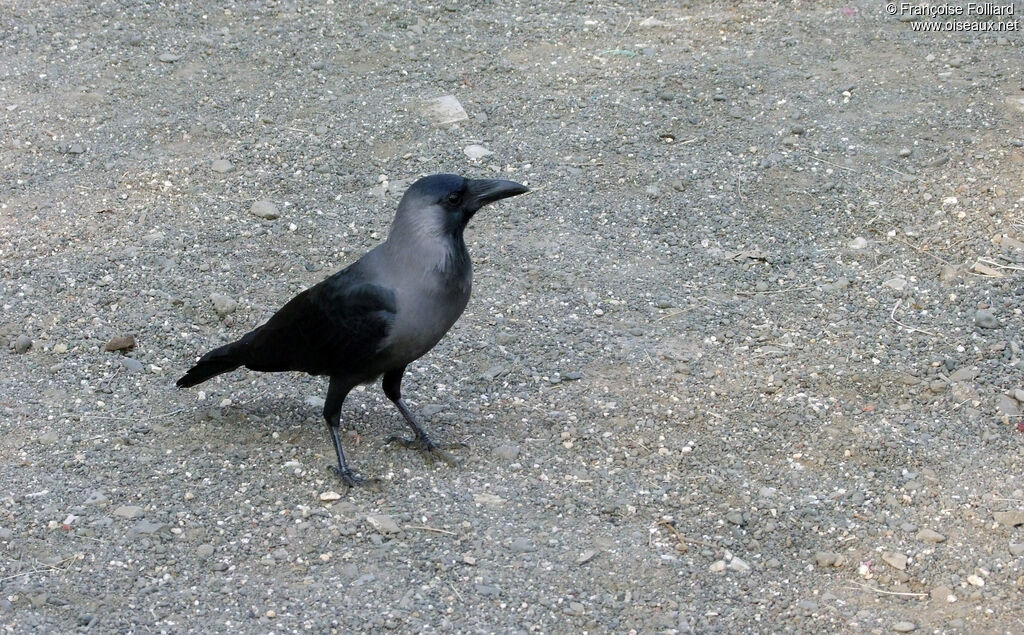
219,360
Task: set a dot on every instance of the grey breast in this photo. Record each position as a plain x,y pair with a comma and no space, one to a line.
429,301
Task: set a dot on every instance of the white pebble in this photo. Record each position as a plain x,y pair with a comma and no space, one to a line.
476,152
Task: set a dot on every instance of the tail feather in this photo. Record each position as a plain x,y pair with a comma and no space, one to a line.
219,360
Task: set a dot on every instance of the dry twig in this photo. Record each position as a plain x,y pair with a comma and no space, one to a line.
892,316
433,529
868,587
827,162
683,539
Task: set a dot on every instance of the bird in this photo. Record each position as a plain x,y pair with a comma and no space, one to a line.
379,314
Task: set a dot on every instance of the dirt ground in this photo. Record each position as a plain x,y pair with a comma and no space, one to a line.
747,359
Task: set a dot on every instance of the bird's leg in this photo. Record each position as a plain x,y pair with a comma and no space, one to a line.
392,385
336,393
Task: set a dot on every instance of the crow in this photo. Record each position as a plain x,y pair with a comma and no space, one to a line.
379,314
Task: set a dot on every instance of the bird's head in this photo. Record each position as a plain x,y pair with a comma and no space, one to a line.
444,203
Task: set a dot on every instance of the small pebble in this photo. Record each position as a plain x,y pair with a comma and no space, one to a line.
383,523
222,304
967,373
895,560
476,152
738,565
985,319
904,627
1007,406
507,452
929,535
808,605
96,498
169,58
120,343
48,438
22,343
444,110
522,545
504,338
221,166
486,498
493,372
896,284
132,365
1010,518
941,593
147,528
948,273
735,517
265,210
826,559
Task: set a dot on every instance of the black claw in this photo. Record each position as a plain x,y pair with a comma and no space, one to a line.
351,479
430,450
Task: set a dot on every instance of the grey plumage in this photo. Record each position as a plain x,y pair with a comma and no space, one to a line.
379,314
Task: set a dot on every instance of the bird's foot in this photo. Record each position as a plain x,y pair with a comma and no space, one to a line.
425,446
351,479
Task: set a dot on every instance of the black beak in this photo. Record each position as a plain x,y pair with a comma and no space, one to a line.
487,191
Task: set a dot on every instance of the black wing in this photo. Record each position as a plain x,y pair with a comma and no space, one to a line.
333,328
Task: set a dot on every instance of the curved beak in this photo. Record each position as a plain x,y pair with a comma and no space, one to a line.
487,191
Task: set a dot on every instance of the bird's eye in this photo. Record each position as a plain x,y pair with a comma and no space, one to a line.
454,198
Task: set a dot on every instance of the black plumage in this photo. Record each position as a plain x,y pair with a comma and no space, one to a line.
380,313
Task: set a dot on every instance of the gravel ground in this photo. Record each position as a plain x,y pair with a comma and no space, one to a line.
747,360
